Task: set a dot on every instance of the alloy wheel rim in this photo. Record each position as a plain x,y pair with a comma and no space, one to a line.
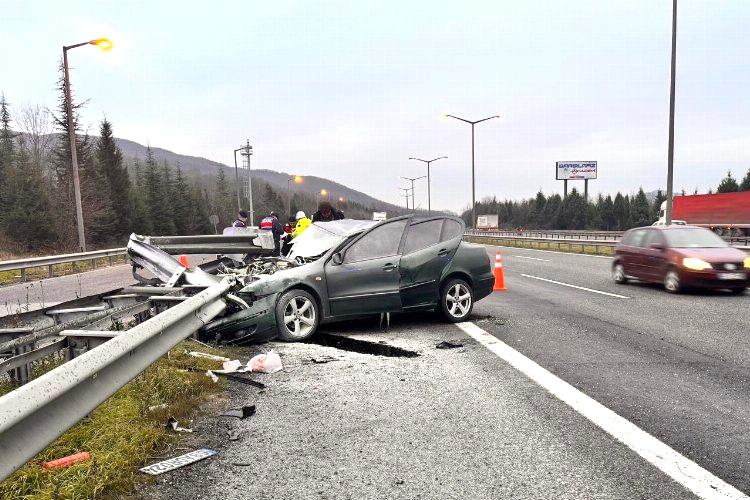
619,272
673,281
458,300
299,316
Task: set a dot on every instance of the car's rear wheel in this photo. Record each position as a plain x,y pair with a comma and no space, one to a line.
297,316
672,282
739,290
618,274
456,300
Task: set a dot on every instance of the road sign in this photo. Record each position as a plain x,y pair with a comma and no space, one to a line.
379,216
575,170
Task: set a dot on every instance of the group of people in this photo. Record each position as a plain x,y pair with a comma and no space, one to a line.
296,225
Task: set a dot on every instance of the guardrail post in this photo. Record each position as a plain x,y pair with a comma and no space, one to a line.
93,264
23,275
110,260
50,273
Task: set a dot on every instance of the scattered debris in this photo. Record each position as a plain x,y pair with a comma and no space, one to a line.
269,362
234,434
199,342
385,319
173,425
177,462
211,374
360,346
158,407
67,461
323,360
230,367
445,344
242,414
213,357
241,464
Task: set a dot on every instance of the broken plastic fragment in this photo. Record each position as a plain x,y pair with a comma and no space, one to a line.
213,357
67,461
265,363
242,414
214,378
448,345
174,425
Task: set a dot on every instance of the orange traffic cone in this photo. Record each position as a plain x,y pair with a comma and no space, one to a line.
499,276
184,262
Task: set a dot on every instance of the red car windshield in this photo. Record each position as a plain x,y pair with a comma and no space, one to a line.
693,238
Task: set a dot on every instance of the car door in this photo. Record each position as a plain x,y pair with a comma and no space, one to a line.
630,252
423,259
653,255
367,278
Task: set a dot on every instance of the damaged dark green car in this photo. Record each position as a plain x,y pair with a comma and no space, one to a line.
333,271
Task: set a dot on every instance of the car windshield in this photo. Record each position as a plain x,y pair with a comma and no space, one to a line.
320,237
694,238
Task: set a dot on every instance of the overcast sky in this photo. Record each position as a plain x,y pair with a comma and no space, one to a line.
350,89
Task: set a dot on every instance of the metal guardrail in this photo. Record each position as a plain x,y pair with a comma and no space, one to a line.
558,242
49,261
34,415
584,234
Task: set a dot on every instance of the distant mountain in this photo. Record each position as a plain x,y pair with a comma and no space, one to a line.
312,184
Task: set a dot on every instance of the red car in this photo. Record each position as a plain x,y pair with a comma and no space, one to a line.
680,257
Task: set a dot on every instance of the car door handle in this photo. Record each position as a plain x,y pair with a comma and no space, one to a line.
443,252
389,267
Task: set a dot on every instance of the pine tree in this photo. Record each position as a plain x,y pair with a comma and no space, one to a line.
745,184
6,149
110,165
640,210
728,184
223,204
181,201
156,196
621,210
656,206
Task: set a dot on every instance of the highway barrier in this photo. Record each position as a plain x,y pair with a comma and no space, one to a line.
51,260
33,415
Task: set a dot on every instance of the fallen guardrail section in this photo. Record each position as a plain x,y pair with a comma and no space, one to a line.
52,260
99,360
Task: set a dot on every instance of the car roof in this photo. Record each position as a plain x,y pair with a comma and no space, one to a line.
671,227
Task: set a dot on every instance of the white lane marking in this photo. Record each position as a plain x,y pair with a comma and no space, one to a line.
549,251
530,258
675,465
576,286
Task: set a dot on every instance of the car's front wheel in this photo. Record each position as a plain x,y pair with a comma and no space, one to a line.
456,300
297,316
672,282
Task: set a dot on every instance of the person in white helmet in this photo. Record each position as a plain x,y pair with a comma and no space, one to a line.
302,222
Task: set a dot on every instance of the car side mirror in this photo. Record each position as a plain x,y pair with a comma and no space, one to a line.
657,246
337,258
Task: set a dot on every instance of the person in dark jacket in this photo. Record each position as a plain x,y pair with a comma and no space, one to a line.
327,213
241,220
272,223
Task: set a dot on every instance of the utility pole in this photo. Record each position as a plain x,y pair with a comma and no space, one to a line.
412,179
429,205
473,183
247,152
406,195
670,152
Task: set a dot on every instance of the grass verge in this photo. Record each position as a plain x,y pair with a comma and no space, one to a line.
121,434
557,246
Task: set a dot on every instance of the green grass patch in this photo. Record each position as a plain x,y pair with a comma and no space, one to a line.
121,434
558,246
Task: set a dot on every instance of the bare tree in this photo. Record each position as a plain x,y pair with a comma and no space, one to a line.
35,123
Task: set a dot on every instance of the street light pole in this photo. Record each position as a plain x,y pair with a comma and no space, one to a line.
412,179
473,183
237,179
429,205
670,151
104,44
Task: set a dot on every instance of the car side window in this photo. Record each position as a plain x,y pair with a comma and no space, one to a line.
650,238
451,229
422,235
383,241
634,238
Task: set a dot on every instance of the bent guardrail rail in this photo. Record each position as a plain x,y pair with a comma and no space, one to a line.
51,260
34,415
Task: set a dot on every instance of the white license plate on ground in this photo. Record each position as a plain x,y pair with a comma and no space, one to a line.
731,276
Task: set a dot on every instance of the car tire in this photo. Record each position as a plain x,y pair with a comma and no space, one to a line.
455,306
672,281
618,274
297,315
738,290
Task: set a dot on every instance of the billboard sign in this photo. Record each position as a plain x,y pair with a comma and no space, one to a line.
575,170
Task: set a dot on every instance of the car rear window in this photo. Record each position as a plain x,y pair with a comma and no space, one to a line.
423,235
694,238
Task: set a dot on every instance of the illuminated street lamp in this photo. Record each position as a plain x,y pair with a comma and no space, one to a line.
323,194
473,184
429,206
105,45
297,180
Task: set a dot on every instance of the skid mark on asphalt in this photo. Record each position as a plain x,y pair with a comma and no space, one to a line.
575,286
675,465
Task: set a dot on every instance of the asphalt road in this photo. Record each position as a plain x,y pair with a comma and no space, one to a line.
464,423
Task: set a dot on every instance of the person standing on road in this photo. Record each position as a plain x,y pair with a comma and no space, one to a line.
327,213
241,220
272,223
302,222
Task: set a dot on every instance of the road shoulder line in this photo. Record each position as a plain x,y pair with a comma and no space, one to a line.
675,465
